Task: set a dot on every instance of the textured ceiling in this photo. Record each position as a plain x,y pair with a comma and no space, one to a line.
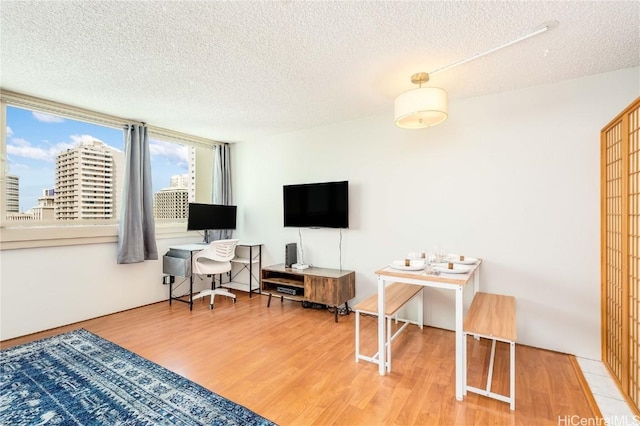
234,71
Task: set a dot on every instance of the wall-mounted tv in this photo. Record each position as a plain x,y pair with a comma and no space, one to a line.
204,217
316,205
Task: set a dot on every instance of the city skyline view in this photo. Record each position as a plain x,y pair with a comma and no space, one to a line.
34,140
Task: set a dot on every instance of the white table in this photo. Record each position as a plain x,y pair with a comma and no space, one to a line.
454,282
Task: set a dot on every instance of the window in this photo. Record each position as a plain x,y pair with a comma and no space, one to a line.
59,171
171,168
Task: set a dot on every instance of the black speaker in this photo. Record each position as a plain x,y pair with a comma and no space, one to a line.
290,254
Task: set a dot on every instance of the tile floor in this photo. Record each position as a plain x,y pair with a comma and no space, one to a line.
613,406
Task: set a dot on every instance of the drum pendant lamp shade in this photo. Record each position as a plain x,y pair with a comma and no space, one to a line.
420,108
427,106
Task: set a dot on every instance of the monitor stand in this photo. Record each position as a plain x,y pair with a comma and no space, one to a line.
208,237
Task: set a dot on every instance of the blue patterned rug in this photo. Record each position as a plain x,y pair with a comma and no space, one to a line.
78,378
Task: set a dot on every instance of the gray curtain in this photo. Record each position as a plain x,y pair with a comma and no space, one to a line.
137,235
221,185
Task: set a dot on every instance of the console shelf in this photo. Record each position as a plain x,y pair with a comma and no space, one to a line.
281,281
332,287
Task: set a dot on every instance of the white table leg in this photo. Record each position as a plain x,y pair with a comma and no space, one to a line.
460,368
381,326
476,289
476,280
421,309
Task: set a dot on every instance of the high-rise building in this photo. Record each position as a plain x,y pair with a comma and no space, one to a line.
179,181
13,194
171,203
19,217
88,180
45,210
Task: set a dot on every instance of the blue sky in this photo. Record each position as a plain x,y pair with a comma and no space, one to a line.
34,139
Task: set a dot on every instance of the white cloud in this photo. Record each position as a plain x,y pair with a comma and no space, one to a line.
47,118
61,146
17,166
23,148
78,139
19,142
9,131
175,153
45,151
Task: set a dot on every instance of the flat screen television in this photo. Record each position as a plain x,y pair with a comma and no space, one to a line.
316,205
204,217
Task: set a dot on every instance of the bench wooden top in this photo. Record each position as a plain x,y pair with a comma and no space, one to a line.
492,315
395,294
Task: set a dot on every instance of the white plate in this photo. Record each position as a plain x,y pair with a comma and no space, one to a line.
457,269
454,258
416,265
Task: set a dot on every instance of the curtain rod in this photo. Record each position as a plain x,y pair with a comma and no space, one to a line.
72,112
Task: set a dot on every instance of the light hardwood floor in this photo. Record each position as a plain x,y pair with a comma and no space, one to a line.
296,366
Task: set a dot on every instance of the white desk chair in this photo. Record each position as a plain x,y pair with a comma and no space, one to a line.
214,260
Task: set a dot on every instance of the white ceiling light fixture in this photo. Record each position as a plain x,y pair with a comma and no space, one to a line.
421,107
428,106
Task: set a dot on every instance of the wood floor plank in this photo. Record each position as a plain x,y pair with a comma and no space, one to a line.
297,366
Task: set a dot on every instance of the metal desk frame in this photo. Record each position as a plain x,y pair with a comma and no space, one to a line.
195,247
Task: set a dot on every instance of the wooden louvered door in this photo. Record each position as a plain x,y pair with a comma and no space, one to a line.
620,186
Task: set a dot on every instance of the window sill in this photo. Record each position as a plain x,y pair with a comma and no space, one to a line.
54,236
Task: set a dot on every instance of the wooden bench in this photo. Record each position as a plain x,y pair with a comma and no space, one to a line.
493,316
396,296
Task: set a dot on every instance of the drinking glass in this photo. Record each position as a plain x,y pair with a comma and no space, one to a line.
443,254
439,254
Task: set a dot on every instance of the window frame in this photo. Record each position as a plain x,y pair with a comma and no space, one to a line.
14,236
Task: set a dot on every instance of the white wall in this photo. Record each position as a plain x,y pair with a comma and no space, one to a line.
512,178
48,287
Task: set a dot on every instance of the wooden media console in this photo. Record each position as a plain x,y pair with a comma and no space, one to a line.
332,287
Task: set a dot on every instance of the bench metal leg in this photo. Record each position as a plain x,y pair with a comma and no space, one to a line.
511,399
491,361
389,344
381,323
466,366
512,375
357,336
383,356
389,337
